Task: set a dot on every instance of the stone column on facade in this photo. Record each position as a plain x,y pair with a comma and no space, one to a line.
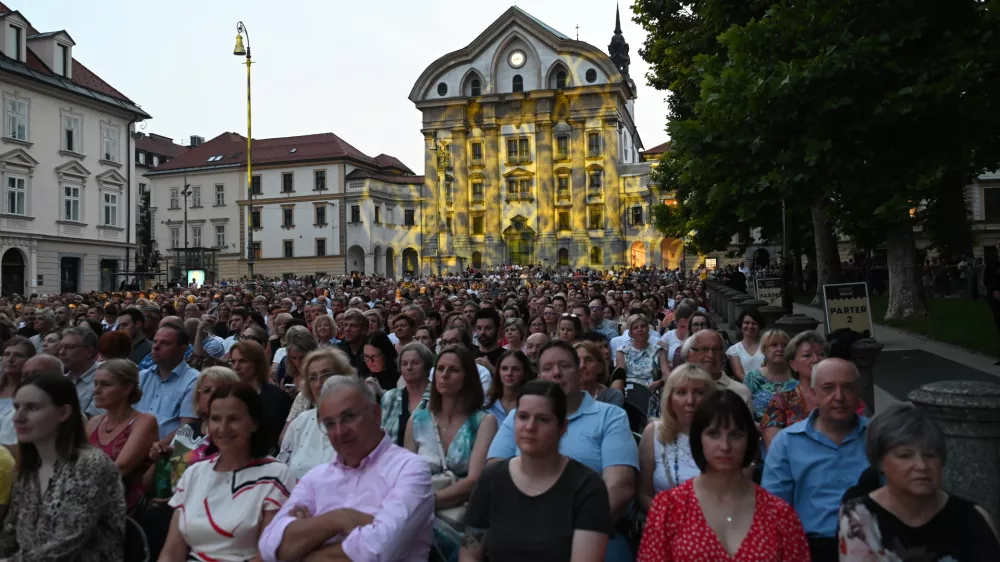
493,186
544,180
429,215
968,413
460,166
613,235
580,253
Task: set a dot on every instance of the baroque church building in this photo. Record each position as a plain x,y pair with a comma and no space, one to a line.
532,155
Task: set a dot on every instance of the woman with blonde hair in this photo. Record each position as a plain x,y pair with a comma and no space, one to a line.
123,433
324,329
304,444
774,376
665,459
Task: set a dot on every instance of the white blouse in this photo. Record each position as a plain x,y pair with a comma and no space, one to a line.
305,445
749,362
221,512
677,451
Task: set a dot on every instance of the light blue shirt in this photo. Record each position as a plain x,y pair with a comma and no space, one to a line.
608,328
213,347
597,435
85,391
498,411
812,473
169,400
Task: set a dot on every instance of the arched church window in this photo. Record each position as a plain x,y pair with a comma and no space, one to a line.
476,88
560,80
518,84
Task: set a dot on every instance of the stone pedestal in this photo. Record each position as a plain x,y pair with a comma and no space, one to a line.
734,309
968,412
771,314
751,305
864,353
795,324
723,309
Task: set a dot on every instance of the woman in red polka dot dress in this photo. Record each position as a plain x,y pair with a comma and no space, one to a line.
721,515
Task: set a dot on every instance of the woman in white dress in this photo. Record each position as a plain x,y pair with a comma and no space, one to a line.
305,444
665,459
222,505
746,354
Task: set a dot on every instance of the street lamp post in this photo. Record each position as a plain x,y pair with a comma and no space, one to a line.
239,51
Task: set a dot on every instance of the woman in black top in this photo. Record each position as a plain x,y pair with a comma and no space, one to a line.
909,517
540,505
379,355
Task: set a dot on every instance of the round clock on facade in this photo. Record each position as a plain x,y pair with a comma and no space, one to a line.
516,59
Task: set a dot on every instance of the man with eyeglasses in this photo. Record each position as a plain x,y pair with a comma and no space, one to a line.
601,324
705,350
373,501
78,352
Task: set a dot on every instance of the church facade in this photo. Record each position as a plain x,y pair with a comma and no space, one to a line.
532,155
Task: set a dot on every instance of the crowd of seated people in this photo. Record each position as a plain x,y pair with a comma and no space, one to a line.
450,426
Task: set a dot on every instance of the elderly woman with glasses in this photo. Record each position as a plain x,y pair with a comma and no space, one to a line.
304,444
910,513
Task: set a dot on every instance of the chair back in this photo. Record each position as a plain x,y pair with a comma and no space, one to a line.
638,395
637,418
136,545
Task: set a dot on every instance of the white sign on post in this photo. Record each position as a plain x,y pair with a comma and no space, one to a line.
769,289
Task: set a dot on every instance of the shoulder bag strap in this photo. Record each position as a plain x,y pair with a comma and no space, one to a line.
440,447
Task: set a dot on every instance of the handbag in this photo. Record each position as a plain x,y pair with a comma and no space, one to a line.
453,516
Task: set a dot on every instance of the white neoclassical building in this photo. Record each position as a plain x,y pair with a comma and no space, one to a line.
532,153
305,215
66,167
384,221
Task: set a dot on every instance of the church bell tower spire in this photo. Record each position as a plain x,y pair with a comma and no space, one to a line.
618,49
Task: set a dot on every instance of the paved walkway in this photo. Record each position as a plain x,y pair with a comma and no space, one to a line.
909,361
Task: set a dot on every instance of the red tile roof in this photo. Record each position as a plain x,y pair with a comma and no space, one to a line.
402,179
232,148
658,149
157,144
386,161
82,75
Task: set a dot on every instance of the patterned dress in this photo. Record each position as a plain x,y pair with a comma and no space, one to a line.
80,518
642,366
789,407
762,389
676,531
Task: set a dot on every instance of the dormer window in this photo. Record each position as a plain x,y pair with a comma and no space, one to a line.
62,60
518,83
14,49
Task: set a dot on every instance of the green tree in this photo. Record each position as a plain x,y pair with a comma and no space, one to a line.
859,110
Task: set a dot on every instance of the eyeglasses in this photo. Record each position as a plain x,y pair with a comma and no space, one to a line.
706,349
346,419
699,325
371,358
320,377
568,315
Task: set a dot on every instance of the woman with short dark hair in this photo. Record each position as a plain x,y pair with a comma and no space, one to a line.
746,355
224,503
540,505
720,514
68,502
910,512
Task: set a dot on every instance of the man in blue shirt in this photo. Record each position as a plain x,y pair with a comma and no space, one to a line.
597,435
168,386
812,463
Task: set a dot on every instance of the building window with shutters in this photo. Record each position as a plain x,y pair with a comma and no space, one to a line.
563,221
319,177
175,237
635,216
196,236
220,195
355,214
562,188
196,197
220,236
288,247
476,153
320,247
562,147
593,145
255,186
477,192
175,201
257,252
288,183
595,218
255,221
409,217
477,224
320,215
287,217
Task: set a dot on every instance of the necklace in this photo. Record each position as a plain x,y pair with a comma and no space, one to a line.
108,428
677,463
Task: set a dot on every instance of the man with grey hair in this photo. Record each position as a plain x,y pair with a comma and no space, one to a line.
705,350
373,501
78,352
812,463
45,321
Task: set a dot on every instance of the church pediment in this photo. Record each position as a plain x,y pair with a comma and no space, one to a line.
518,173
488,55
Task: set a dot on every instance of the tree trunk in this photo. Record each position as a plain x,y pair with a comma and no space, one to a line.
904,287
797,279
827,253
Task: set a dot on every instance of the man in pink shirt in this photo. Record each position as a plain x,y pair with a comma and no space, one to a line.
372,502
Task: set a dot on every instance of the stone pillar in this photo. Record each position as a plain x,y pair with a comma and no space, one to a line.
795,324
771,314
723,310
580,255
751,305
864,353
429,215
733,307
968,413
613,236
460,167
545,252
492,193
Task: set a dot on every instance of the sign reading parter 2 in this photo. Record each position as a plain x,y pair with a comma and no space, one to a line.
769,290
847,306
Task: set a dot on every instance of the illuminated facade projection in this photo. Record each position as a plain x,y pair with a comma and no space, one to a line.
532,154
